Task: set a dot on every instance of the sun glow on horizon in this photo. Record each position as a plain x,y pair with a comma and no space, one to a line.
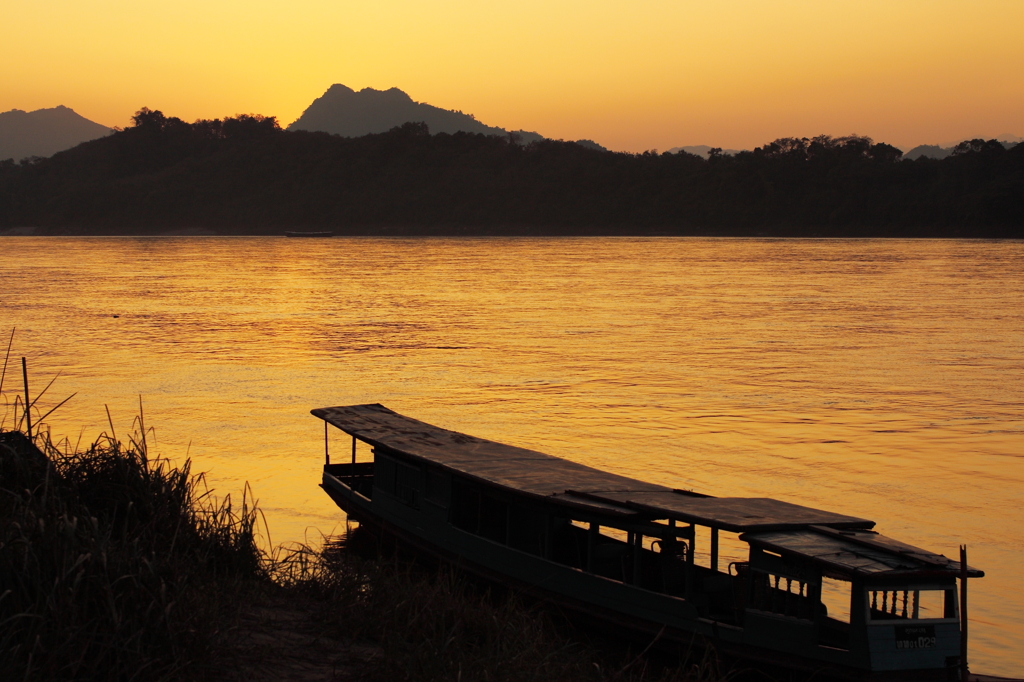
653,74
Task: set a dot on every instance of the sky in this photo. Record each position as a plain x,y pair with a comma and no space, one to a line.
633,76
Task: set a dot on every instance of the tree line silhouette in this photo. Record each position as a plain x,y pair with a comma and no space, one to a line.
247,175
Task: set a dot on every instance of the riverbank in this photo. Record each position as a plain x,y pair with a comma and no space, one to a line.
117,565
539,231
165,174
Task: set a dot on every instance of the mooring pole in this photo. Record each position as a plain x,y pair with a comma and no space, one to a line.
327,452
353,449
964,673
638,548
28,412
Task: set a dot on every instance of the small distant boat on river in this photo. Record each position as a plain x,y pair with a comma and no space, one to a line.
309,234
626,552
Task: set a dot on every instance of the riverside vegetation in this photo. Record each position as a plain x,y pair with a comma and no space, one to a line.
116,565
244,175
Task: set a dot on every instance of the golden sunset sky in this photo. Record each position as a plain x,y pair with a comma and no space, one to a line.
631,75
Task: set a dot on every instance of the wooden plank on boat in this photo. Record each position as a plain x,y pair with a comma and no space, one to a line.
857,553
587,503
549,476
381,427
502,465
535,473
891,545
736,514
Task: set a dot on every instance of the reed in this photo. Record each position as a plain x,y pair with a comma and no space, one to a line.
113,565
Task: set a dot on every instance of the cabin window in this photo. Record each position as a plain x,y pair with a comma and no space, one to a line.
437,487
384,474
835,595
783,595
526,529
834,623
569,542
493,518
610,554
912,604
465,509
408,481
479,513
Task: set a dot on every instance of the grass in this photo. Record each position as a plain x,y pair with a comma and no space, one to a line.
114,566
433,624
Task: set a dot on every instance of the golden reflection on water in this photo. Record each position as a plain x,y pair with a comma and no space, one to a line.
874,378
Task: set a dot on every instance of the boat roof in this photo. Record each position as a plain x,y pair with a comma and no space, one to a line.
844,546
570,483
857,553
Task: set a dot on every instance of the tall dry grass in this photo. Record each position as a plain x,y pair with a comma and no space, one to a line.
114,566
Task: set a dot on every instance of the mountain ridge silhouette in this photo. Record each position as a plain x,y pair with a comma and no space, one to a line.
343,111
45,132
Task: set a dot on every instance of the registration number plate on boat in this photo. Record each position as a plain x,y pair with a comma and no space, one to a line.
915,636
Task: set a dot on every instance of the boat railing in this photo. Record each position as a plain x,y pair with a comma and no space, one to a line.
358,476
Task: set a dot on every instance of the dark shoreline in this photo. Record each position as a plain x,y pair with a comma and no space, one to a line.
514,231
246,176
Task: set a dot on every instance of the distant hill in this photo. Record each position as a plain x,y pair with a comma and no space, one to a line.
343,111
590,144
701,150
935,151
44,132
931,151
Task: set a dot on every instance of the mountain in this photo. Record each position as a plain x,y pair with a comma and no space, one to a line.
936,151
343,111
701,150
44,132
590,144
930,151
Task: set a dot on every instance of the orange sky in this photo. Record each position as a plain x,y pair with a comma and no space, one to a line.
630,75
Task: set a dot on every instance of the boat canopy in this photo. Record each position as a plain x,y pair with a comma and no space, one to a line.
857,553
570,483
844,546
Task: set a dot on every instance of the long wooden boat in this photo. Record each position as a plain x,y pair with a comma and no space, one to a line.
313,235
627,552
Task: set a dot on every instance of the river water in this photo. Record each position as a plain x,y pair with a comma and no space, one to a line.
877,378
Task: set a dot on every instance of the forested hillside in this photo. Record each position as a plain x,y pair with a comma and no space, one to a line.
246,175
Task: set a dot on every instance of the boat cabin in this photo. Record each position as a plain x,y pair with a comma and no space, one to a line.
763,578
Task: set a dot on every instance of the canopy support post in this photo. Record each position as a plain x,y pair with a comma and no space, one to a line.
964,672
28,403
691,560
327,452
592,540
638,548
353,449
714,550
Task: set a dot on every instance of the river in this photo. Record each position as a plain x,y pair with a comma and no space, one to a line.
876,378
